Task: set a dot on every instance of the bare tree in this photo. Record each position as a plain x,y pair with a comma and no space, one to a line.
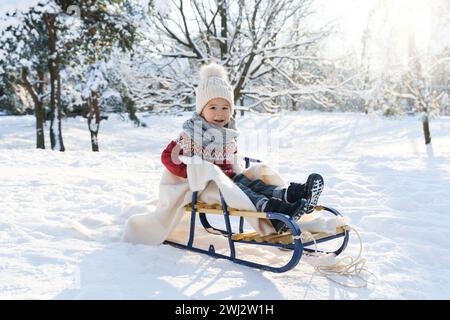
252,39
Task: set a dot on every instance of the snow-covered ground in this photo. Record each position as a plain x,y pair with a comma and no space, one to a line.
62,214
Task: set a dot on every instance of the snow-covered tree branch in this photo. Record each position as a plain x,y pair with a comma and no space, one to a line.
258,41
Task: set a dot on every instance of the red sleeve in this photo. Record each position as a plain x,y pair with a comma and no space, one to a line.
179,168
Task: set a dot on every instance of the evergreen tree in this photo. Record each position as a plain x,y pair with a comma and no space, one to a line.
103,26
25,62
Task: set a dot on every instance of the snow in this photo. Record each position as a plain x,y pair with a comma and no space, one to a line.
96,80
9,6
62,214
162,7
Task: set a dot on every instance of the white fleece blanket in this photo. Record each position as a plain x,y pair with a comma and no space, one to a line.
165,222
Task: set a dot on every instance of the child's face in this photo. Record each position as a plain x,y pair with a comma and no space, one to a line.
217,111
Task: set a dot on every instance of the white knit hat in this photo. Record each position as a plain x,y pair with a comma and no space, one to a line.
213,84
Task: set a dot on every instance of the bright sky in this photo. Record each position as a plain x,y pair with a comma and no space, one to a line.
351,18
391,25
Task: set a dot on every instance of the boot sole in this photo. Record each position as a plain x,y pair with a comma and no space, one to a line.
315,186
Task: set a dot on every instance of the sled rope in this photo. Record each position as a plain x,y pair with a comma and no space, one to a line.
347,266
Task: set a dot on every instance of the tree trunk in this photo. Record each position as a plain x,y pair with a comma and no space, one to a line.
39,112
94,110
223,8
56,139
422,93
36,96
426,129
40,138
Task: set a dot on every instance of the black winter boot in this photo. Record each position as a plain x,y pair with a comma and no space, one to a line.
295,210
295,191
277,205
310,190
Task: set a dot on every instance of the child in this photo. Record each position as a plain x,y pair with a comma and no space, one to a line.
212,135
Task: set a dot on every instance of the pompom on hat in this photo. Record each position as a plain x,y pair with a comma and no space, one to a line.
213,84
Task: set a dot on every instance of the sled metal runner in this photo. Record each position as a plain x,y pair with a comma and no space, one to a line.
288,241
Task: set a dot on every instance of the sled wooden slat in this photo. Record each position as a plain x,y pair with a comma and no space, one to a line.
321,235
285,238
217,209
242,236
271,238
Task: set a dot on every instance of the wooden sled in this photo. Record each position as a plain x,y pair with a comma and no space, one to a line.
289,241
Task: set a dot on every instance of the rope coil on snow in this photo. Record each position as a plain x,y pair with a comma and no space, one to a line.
353,268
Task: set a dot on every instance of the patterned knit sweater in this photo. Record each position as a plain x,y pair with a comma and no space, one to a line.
184,145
